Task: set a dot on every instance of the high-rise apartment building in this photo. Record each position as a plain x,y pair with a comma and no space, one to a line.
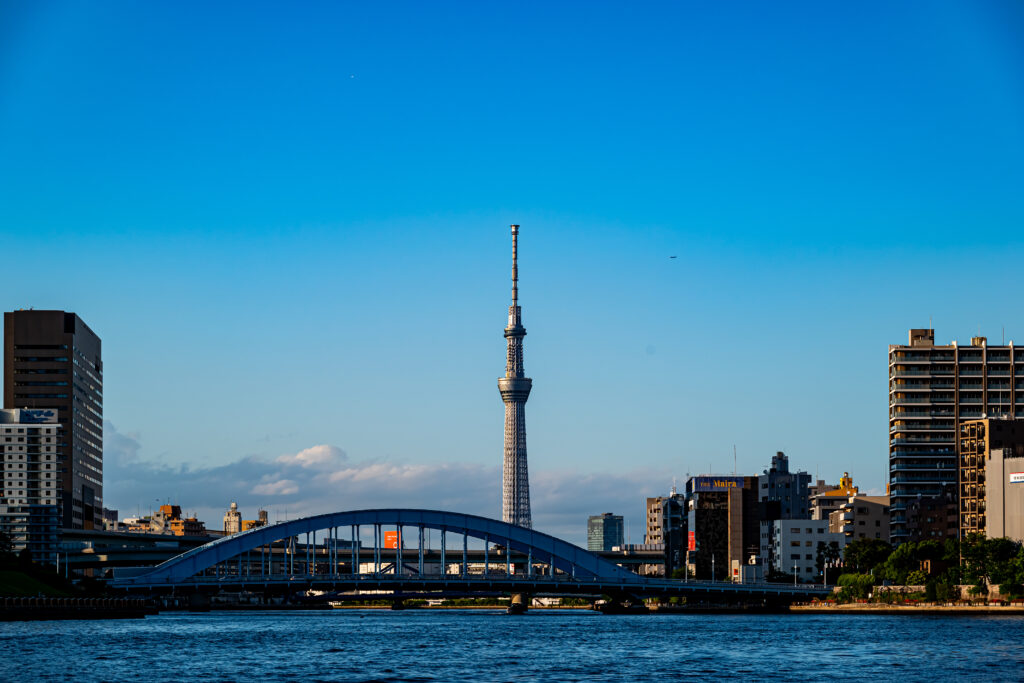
604,532
52,360
29,481
931,390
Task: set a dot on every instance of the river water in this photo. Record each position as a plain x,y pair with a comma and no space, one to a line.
544,645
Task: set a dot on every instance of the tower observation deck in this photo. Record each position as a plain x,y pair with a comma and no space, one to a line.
515,389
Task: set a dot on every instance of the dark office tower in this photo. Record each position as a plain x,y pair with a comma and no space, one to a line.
52,360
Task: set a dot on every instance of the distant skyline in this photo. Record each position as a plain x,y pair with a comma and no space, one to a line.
290,229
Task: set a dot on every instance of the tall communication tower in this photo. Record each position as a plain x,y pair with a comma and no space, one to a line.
515,389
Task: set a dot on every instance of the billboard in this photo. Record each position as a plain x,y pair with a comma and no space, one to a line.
691,541
391,539
1017,477
37,415
698,484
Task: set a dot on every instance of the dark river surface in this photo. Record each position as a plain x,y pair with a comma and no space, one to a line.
544,645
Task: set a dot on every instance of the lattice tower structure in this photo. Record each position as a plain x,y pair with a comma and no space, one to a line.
515,389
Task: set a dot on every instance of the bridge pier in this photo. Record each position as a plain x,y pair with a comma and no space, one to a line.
519,604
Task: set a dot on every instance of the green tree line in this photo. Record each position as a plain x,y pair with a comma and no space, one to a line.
939,566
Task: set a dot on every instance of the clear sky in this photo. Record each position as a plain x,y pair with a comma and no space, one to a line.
289,225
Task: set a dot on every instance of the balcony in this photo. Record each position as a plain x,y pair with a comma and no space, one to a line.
918,440
936,479
942,471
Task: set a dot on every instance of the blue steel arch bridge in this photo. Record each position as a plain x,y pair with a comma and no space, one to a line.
368,552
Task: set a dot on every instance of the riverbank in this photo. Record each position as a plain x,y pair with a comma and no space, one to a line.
929,608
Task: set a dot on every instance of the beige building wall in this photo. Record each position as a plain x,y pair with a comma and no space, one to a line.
861,517
1004,489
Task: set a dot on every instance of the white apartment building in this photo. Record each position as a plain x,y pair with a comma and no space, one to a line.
796,545
30,480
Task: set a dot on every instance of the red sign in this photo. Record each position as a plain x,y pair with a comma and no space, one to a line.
691,541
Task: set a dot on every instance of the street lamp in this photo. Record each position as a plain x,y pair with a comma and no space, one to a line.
794,575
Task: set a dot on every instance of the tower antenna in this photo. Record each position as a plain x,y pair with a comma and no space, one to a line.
515,389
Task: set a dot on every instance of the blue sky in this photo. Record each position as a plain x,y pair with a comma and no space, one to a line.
290,228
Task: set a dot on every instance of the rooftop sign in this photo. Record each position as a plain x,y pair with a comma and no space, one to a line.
698,484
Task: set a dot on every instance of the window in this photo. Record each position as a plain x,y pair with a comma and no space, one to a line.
808,544
794,531
794,557
794,544
809,558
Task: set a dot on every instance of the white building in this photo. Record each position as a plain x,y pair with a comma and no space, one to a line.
232,520
796,545
29,480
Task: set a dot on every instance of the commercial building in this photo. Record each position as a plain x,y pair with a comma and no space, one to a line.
30,481
991,457
722,524
781,495
831,498
931,390
798,543
605,532
862,517
53,360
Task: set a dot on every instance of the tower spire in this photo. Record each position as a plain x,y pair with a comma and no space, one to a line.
515,389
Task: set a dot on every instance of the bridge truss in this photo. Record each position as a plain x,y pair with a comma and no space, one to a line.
349,551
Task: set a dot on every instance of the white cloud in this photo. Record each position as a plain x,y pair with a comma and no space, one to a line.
317,457
323,479
281,487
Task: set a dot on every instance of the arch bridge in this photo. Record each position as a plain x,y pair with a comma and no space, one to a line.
371,550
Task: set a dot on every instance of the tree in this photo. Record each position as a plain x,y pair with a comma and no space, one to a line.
828,554
864,554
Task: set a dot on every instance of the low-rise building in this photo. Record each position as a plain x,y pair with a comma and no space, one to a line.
798,543
862,517
1004,500
824,503
168,520
261,520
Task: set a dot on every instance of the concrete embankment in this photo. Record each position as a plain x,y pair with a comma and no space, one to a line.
44,609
